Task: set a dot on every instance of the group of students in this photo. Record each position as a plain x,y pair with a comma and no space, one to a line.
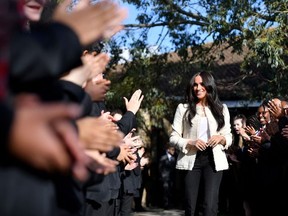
257,178
62,152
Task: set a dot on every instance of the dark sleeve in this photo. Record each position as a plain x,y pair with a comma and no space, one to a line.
43,55
97,107
127,122
76,94
114,153
6,119
137,170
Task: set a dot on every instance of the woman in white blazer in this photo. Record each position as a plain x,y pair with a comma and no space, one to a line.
201,133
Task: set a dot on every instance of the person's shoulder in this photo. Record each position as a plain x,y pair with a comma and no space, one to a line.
163,157
182,106
224,106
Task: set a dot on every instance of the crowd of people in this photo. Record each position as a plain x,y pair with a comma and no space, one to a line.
255,183
244,169
63,153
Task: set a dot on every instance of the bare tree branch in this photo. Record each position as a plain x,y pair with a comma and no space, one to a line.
150,25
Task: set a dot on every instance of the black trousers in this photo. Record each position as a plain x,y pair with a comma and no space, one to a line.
93,208
126,204
24,191
203,173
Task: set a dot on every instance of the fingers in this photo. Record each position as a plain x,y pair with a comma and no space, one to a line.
126,100
63,6
81,5
136,95
100,163
215,140
91,22
23,99
112,31
131,166
201,145
97,64
56,111
70,140
98,134
135,101
51,127
285,131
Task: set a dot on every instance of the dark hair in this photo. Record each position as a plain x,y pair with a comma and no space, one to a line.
95,47
264,104
213,101
116,111
242,117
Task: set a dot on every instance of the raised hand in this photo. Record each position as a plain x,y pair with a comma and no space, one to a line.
126,154
98,134
134,103
97,89
250,130
275,109
131,166
96,63
91,68
42,136
132,141
91,22
78,75
100,163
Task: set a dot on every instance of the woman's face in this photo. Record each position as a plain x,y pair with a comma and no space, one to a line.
237,125
263,115
199,89
33,8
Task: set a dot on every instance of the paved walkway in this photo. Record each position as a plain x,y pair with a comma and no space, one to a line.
172,212
162,212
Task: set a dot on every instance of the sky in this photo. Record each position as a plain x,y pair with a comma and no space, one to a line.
153,32
131,19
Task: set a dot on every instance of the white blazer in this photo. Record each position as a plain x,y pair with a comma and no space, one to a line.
182,132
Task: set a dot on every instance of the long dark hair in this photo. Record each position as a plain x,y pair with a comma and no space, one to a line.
237,137
212,99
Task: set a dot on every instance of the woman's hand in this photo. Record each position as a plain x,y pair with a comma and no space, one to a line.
215,140
199,144
250,130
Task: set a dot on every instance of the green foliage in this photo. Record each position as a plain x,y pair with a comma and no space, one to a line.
259,26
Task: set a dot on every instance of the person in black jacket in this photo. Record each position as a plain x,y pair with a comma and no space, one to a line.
38,58
167,164
101,198
130,173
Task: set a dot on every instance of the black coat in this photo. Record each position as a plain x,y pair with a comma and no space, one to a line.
109,187
37,60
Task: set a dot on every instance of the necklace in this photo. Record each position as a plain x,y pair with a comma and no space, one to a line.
202,112
203,108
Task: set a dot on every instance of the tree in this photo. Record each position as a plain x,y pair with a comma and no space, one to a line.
201,33
255,29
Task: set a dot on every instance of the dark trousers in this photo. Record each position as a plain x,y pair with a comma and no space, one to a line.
93,208
203,172
126,204
24,191
168,189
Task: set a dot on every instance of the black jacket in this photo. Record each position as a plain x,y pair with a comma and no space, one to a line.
109,187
